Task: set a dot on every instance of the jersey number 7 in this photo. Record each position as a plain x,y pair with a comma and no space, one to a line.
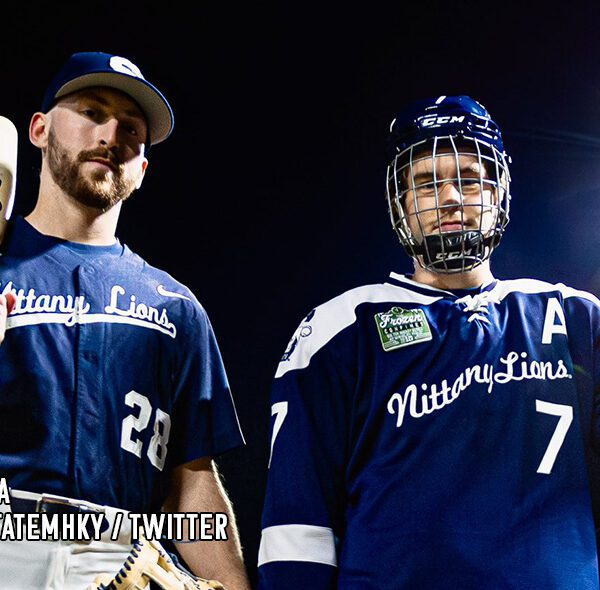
565,414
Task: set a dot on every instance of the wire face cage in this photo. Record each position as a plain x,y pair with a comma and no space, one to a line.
449,201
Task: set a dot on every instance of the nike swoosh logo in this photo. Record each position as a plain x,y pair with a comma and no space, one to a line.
162,291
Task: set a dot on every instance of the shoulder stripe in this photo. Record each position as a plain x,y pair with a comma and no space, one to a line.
532,286
297,542
166,293
330,318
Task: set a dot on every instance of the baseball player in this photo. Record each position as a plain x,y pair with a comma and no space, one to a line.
437,430
113,394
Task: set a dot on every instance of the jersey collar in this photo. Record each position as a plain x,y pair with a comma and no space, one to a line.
405,280
24,240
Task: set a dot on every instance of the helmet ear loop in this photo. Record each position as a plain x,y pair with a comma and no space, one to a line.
499,195
499,188
503,185
391,195
397,190
482,169
406,174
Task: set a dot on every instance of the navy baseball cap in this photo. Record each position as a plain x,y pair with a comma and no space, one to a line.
93,68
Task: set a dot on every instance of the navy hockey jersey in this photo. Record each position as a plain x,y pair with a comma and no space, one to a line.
427,439
110,374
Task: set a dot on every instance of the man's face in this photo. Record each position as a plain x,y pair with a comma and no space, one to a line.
430,211
95,147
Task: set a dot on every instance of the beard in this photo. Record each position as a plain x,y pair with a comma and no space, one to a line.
102,190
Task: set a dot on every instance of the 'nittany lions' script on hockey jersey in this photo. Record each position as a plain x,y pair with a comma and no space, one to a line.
110,374
427,439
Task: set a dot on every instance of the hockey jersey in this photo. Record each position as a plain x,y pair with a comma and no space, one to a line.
430,439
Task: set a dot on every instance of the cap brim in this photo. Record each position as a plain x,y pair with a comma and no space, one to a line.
150,100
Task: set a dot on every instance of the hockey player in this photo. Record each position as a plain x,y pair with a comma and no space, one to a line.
435,431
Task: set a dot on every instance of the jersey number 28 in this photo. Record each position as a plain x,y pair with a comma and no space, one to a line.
157,449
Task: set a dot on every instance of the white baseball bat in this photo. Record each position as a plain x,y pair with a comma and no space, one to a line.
9,141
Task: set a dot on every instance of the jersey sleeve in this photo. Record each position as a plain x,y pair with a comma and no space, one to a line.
583,330
595,338
205,421
303,515
583,323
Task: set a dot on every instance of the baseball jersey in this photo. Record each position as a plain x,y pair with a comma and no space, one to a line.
110,374
430,439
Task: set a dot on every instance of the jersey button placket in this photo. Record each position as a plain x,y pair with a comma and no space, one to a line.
88,382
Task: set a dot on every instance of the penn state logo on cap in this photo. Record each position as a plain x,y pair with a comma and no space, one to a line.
94,68
123,65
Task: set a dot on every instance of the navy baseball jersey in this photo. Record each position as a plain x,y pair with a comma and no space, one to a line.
110,374
428,439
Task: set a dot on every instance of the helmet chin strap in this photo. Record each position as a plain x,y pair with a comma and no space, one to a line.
453,252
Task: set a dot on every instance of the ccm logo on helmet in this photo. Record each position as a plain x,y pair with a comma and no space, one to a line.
429,121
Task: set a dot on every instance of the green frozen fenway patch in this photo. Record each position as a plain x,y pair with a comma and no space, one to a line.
401,327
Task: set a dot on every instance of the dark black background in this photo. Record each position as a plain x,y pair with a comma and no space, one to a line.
268,199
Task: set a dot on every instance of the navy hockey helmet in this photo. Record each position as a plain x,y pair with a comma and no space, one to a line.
427,130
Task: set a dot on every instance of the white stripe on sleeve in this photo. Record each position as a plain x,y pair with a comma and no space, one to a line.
297,542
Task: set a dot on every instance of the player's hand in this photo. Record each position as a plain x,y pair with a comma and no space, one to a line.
7,302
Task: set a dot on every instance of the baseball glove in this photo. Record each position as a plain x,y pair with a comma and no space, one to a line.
149,566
